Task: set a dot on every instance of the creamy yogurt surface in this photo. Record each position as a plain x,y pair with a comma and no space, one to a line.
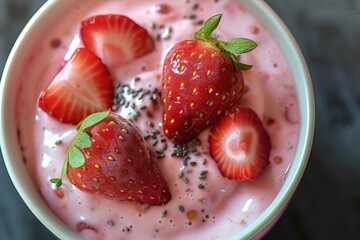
204,204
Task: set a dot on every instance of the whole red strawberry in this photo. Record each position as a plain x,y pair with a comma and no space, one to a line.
111,159
201,80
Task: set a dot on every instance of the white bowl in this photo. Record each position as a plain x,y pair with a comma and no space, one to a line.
12,154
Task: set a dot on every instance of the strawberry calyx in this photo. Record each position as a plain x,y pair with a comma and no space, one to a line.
234,46
74,157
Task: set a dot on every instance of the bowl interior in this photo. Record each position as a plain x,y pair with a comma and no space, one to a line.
10,82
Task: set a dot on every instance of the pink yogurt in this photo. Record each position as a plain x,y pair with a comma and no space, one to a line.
203,207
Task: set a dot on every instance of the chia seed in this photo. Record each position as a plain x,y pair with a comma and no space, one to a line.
199,22
186,180
157,36
122,94
165,212
156,132
148,91
181,174
141,96
160,156
149,114
164,147
150,124
181,208
153,25
203,174
193,164
195,6
166,33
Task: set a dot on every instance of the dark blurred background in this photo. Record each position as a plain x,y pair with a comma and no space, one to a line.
327,202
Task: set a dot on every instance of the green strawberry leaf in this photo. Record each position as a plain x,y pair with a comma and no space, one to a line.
57,181
82,140
94,119
239,45
240,65
243,66
233,47
88,133
76,158
205,33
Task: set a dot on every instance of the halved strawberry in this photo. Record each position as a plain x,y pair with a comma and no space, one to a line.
83,86
110,158
240,145
116,39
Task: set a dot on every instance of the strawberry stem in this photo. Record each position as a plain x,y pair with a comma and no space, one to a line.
205,33
58,181
233,47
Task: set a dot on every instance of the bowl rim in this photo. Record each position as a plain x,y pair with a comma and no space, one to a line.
278,30
294,56
8,138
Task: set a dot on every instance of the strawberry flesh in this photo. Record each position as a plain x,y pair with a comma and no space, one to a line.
116,39
240,145
119,165
82,86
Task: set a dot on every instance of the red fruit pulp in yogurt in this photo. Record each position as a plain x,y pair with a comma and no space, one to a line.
202,200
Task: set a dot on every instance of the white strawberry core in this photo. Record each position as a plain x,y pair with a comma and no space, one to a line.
239,144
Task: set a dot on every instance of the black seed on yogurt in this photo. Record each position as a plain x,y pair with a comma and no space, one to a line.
150,124
193,164
181,208
203,174
199,22
195,6
165,212
149,114
181,174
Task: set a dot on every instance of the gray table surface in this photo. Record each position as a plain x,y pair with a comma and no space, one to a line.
327,202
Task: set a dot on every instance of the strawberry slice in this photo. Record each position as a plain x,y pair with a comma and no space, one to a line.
116,39
240,145
83,86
